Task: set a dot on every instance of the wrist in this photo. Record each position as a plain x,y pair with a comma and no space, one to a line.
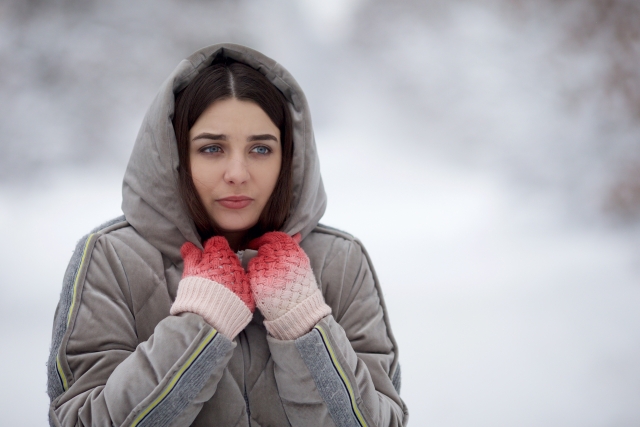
217,304
300,319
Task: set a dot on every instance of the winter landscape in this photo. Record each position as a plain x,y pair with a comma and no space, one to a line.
484,151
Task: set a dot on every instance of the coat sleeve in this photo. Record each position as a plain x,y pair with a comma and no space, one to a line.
345,371
99,372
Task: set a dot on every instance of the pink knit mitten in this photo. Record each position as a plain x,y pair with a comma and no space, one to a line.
284,287
215,286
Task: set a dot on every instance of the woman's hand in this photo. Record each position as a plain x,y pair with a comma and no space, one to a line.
215,286
220,264
284,287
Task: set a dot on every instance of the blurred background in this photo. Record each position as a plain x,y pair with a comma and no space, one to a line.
485,151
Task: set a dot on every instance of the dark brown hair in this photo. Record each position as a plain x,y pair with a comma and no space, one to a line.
224,80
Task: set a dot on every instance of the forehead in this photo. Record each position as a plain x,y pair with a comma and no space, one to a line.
234,116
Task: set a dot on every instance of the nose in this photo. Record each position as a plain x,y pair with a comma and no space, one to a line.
236,171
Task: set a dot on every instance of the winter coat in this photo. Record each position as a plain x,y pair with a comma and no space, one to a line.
119,358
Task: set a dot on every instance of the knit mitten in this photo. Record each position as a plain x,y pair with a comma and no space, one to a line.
215,286
284,287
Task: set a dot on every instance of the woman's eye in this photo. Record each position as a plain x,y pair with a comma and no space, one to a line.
211,149
261,150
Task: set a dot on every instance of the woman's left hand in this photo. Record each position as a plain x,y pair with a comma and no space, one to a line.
284,287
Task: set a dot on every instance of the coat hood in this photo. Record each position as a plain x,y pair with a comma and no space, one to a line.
150,198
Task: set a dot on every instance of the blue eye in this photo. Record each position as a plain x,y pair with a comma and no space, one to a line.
211,149
262,150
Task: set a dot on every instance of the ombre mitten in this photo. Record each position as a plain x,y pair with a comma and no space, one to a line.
215,286
284,287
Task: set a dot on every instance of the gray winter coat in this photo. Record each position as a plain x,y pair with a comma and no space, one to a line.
119,358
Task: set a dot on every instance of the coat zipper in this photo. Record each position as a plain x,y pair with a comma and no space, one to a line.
243,338
246,402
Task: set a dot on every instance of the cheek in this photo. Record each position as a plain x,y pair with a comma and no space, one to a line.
270,176
204,177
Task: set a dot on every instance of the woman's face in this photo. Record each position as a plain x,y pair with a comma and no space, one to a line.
235,156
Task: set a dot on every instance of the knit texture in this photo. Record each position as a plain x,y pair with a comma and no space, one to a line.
284,287
219,264
218,305
215,286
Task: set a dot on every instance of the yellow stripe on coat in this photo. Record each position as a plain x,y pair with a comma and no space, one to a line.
338,367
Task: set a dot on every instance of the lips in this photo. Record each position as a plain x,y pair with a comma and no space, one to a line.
235,202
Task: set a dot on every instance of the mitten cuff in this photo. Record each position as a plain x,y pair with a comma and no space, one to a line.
218,305
300,319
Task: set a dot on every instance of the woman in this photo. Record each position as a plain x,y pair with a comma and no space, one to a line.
157,323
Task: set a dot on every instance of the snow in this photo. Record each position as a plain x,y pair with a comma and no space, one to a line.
474,188
505,315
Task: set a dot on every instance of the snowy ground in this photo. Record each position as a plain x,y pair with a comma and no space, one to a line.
504,315
446,146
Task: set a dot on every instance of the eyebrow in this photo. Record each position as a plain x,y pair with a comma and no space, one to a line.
222,137
212,136
263,137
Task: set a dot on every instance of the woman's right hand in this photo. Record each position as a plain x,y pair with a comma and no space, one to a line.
215,286
220,264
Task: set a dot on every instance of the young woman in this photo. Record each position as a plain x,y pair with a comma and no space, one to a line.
218,299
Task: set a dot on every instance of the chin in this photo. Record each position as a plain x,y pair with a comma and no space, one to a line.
235,227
